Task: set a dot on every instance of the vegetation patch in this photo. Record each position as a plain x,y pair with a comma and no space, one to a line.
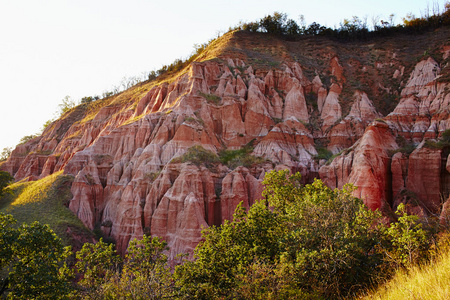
323,153
198,156
211,98
442,142
406,147
314,243
44,200
240,157
425,281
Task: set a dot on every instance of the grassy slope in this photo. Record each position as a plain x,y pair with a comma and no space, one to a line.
429,281
43,200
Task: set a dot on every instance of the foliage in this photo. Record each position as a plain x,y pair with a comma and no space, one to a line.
5,180
227,252
27,138
47,123
143,274
89,99
97,263
5,153
66,104
422,281
33,262
406,147
211,98
350,29
239,157
323,153
407,237
442,142
198,156
314,240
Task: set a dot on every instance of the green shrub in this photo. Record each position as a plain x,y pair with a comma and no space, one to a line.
407,238
5,153
313,243
27,138
5,180
211,98
323,153
142,274
239,157
66,104
442,142
199,156
32,262
406,147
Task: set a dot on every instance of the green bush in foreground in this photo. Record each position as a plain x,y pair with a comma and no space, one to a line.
314,242
32,262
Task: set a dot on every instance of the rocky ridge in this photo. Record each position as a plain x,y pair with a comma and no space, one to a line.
122,151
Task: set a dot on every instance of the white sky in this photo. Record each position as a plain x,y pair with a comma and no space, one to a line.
53,48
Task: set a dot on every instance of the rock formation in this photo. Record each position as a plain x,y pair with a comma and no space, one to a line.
126,153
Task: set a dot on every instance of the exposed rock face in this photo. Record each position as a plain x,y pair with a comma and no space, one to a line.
366,167
123,150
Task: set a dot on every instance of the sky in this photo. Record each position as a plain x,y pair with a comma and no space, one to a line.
50,49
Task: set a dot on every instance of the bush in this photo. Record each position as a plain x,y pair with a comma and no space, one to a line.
89,99
323,153
199,156
239,157
408,240
314,241
211,98
27,138
143,274
32,262
5,153
442,142
66,105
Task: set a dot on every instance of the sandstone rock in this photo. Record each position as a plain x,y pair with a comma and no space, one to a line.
363,108
399,169
369,167
448,164
295,104
424,174
127,183
331,110
424,72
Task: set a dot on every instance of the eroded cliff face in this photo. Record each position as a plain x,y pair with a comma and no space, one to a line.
121,151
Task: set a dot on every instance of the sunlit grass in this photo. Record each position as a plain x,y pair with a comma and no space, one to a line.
429,281
43,200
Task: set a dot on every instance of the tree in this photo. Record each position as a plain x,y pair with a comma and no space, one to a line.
300,240
407,237
33,262
145,273
5,153
97,264
5,180
66,105
27,138
331,238
274,23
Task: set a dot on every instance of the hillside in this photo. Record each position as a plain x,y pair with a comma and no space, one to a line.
428,281
371,113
